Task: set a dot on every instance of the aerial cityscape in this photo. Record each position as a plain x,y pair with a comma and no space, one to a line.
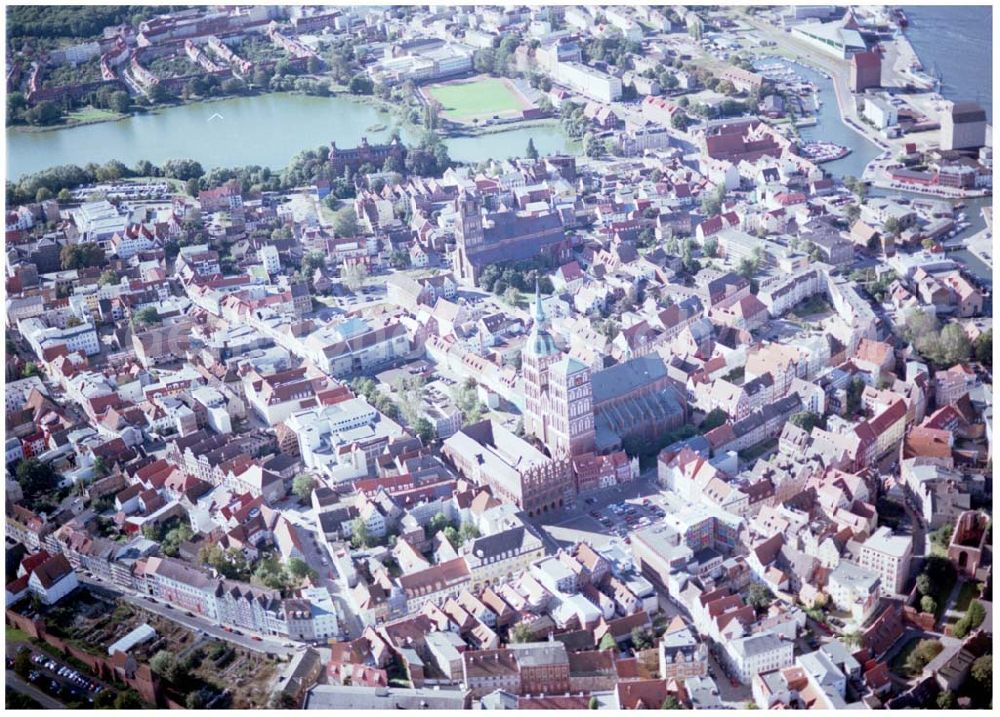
498,357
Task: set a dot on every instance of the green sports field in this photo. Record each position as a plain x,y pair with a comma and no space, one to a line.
483,97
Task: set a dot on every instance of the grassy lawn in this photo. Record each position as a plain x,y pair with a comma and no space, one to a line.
966,594
92,114
476,98
937,551
815,306
12,634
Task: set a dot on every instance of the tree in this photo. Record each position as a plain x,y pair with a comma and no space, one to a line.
300,569
853,638
451,535
928,604
196,700
592,146
715,418
641,639
531,153
759,596
593,704
183,169
104,700
924,584
35,477
982,673
30,369
22,663
438,523
955,345
892,226
360,537
146,316
302,486
946,700
43,113
271,573
671,703
121,102
81,256
973,618
854,390
984,348
360,85
101,467
711,247
165,664
468,532
345,222
680,120
806,420
174,537
15,103
521,632
424,430
159,93
107,277
942,536
924,652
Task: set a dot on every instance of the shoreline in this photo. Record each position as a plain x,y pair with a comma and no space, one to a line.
505,127
157,109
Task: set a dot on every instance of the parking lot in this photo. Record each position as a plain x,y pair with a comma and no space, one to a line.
55,678
608,515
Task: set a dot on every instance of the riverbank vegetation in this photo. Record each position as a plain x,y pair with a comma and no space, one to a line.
75,21
428,157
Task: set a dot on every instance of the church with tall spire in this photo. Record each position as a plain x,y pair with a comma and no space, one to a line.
558,395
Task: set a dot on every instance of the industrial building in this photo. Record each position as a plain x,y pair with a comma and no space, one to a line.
963,126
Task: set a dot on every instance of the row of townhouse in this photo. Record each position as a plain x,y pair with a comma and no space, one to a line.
230,603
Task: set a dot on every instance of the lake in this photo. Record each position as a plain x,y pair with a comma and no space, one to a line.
266,130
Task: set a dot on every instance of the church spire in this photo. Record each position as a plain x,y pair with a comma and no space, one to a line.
539,310
540,343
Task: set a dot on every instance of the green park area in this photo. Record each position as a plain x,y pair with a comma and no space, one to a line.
482,97
92,114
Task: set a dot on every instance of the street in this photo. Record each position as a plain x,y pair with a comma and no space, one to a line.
316,553
266,644
18,685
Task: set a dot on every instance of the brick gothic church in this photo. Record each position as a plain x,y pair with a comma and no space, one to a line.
558,396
